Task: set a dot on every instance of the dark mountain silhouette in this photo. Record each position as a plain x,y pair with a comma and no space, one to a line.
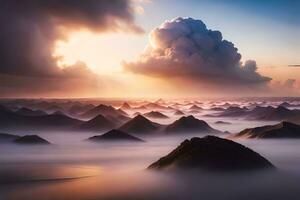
11,120
285,104
212,154
31,139
270,113
195,107
4,137
115,135
125,106
140,125
102,110
155,114
222,123
178,112
29,112
118,120
190,124
280,130
98,123
217,109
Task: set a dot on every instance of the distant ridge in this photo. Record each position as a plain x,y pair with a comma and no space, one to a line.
102,110
140,125
280,130
115,135
156,114
98,123
190,124
31,139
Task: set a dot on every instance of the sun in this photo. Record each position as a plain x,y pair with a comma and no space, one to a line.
103,53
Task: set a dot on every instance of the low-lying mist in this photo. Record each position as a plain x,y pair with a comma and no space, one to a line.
72,168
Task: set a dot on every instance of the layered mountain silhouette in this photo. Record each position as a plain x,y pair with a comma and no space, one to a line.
140,125
212,154
12,120
31,139
190,124
115,135
29,112
280,130
195,107
102,110
79,108
98,123
156,114
178,112
125,106
268,113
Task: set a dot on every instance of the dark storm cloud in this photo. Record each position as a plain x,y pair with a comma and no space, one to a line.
29,29
184,48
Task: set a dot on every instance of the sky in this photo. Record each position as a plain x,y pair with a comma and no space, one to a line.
150,48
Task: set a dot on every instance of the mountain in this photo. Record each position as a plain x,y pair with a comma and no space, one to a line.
4,137
53,108
11,120
79,108
118,120
155,114
98,123
31,139
178,112
212,154
217,109
155,106
280,130
190,124
195,107
285,104
273,114
125,106
233,111
29,112
115,135
102,110
140,125
222,123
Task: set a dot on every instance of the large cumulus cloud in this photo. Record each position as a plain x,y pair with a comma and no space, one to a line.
29,29
184,48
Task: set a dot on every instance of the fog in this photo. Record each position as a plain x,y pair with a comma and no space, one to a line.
72,168
75,169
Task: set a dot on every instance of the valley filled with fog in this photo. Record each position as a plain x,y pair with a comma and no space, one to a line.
76,166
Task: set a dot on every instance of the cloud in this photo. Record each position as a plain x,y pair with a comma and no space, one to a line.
184,48
29,29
